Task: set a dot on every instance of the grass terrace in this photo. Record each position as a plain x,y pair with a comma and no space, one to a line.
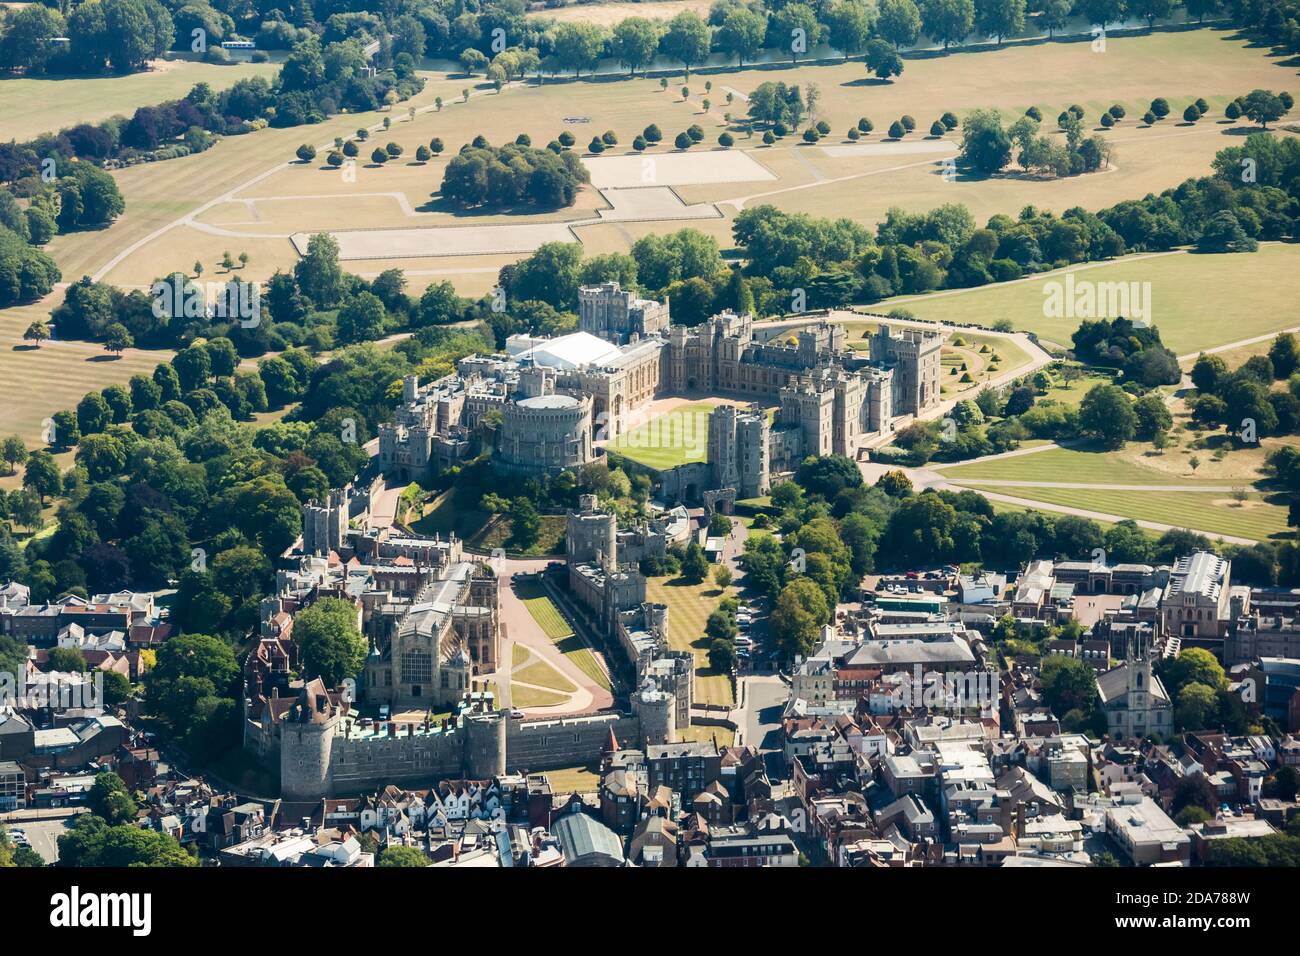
548,616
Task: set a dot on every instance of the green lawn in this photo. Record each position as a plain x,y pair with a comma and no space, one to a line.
544,675
47,104
689,607
1208,512
1260,289
1068,464
546,614
668,440
521,696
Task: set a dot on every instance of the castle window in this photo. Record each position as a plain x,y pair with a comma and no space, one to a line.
417,666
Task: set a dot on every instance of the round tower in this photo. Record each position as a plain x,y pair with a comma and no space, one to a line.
485,745
305,753
655,708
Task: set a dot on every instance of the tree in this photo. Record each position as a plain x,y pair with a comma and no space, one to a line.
91,842
37,332
634,42
948,21
985,145
396,855
1153,416
1054,15
742,33
1223,233
1068,684
1284,353
117,339
472,61
42,475
882,61
1197,707
1102,12
1151,10
1001,18
796,28
319,275
687,40
798,615
525,523
722,655
108,798
578,46
306,153
1106,415
1264,107
329,640
722,576
695,565
899,22
361,319
13,452
848,24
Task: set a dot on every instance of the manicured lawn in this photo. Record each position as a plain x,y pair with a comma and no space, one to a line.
569,780
671,439
1209,512
37,382
47,104
521,696
699,733
546,614
1068,464
544,675
1264,285
689,607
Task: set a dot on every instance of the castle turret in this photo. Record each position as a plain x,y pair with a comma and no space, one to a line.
306,745
485,744
656,709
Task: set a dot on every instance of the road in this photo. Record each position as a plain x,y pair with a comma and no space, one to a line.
759,720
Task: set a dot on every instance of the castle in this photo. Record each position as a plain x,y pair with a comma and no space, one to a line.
430,615
559,397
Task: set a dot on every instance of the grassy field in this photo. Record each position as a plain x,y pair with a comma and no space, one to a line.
47,104
544,675
37,382
668,440
1209,512
298,197
689,606
1072,464
548,616
567,780
1263,285
521,696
